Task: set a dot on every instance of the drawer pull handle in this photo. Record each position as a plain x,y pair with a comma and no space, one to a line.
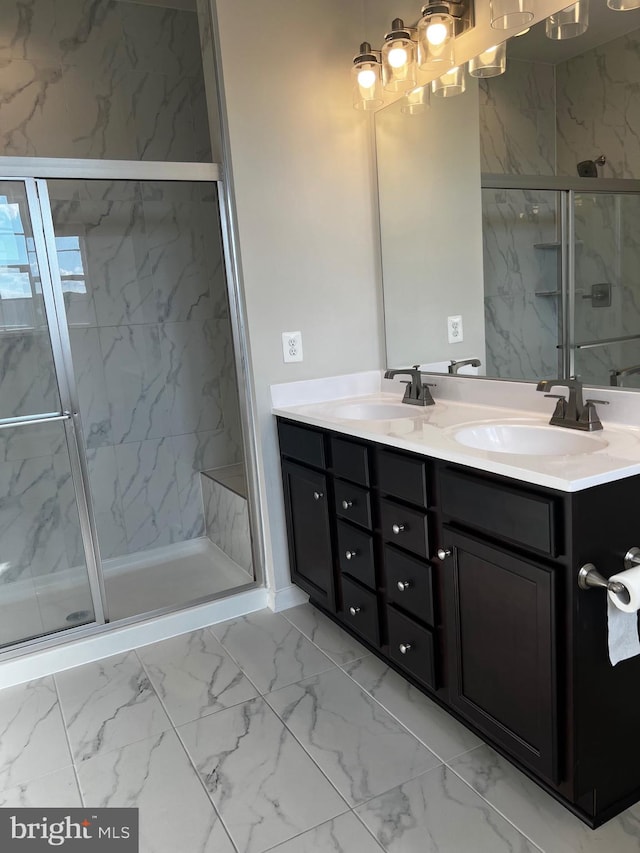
398,528
404,648
350,554
443,553
403,586
354,611
318,495
347,504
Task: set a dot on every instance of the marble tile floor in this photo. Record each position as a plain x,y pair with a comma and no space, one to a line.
275,732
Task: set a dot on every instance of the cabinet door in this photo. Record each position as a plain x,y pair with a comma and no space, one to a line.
501,615
309,532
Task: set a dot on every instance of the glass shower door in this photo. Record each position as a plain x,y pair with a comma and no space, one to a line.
48,581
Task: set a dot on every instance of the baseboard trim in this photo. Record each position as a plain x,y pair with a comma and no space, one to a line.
288,596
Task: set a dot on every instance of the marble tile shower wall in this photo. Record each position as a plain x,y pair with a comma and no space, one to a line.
520,279
151,343
538,120
152,351
517,136
598,108
101,78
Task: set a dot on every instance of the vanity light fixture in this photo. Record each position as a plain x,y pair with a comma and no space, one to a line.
453,82
367,79
490,63
568,23
399,68
623,5
417,101
438,27
507,14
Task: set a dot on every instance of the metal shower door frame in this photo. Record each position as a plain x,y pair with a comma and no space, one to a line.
51,284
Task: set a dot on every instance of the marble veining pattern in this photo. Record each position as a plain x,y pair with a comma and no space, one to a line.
334,642
194,676
437,730
270,650
360,747
438,812
236,779
254,769
32,735
154,775
227,521
109,704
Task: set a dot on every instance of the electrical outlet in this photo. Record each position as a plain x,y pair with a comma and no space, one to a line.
454,329
292,346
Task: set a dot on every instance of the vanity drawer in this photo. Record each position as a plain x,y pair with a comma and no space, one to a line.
412,647
501,511
360,610
301,443
350,460
353,503
405,527
409,584
403,477
359,545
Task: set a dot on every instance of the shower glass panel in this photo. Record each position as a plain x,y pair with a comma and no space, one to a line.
44,585
145,293
522,282
607,287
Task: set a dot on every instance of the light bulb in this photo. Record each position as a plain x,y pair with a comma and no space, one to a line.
437,33
366,78
397,57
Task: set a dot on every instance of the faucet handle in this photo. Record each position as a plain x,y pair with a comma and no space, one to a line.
589,414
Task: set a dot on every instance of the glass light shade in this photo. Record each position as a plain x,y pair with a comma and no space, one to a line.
416,102
436,41
490,63
568,23
367,86
451,83
623,5
399,68
507,14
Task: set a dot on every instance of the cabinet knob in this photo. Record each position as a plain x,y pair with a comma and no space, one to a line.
398,528
403,586
350,554
354,611
404,648
443,553
347,504
318,495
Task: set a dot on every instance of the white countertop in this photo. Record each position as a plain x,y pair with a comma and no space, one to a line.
430,430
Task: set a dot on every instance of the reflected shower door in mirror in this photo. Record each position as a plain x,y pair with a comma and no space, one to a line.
472,223
44,576
145,292
607,288
523,264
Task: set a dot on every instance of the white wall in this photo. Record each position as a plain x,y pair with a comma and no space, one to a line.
304,198
431,228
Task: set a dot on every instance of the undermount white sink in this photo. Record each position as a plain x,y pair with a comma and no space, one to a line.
528,439
376,411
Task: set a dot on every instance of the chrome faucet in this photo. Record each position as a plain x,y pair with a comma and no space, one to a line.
574,412
455,366
614,374
417,392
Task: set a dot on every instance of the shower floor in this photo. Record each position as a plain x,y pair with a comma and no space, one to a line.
135,584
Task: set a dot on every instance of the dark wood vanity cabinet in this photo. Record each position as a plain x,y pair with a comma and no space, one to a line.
466,583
